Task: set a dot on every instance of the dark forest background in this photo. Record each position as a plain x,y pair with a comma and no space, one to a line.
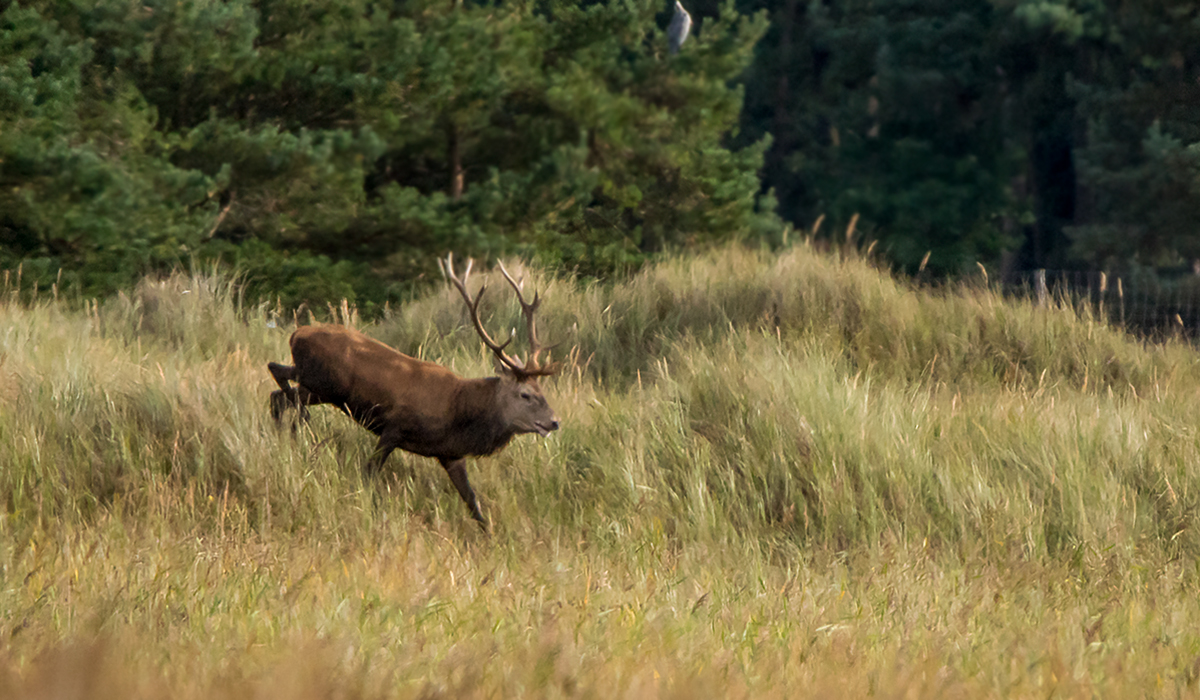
333,149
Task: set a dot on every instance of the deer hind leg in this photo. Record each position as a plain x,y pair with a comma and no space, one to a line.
457,470
282,374
286,396
289,396
280,402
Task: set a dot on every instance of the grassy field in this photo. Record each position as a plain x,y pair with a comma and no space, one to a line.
779,475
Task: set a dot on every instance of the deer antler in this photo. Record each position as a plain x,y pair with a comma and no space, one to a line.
528,309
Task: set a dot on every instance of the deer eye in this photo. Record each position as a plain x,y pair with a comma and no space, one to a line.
526,395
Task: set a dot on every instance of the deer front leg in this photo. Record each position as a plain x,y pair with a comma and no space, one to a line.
383,450
457,470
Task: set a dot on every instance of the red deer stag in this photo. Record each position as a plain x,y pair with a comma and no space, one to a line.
415,405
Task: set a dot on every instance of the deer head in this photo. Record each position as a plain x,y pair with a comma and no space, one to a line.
518,368
519,398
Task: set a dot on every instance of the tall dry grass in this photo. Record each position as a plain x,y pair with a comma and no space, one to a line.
779,475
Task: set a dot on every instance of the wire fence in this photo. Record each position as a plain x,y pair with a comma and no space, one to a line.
1152,308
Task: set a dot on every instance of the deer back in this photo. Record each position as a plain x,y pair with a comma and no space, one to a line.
346,367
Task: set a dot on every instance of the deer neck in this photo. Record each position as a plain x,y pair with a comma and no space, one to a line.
479,421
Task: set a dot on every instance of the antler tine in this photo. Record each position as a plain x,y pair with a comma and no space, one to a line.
528,309
473,308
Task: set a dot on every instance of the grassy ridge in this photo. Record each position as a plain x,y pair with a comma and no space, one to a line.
777,473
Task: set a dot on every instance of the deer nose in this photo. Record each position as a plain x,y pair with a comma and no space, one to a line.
554,425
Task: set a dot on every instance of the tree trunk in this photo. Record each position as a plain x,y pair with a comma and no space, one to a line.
456,172
783,120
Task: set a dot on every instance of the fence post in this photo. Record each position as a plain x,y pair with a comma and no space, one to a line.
1039,284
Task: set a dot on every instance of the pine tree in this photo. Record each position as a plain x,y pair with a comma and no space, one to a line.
654,129
340,146
894,111
1139,161
83,186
